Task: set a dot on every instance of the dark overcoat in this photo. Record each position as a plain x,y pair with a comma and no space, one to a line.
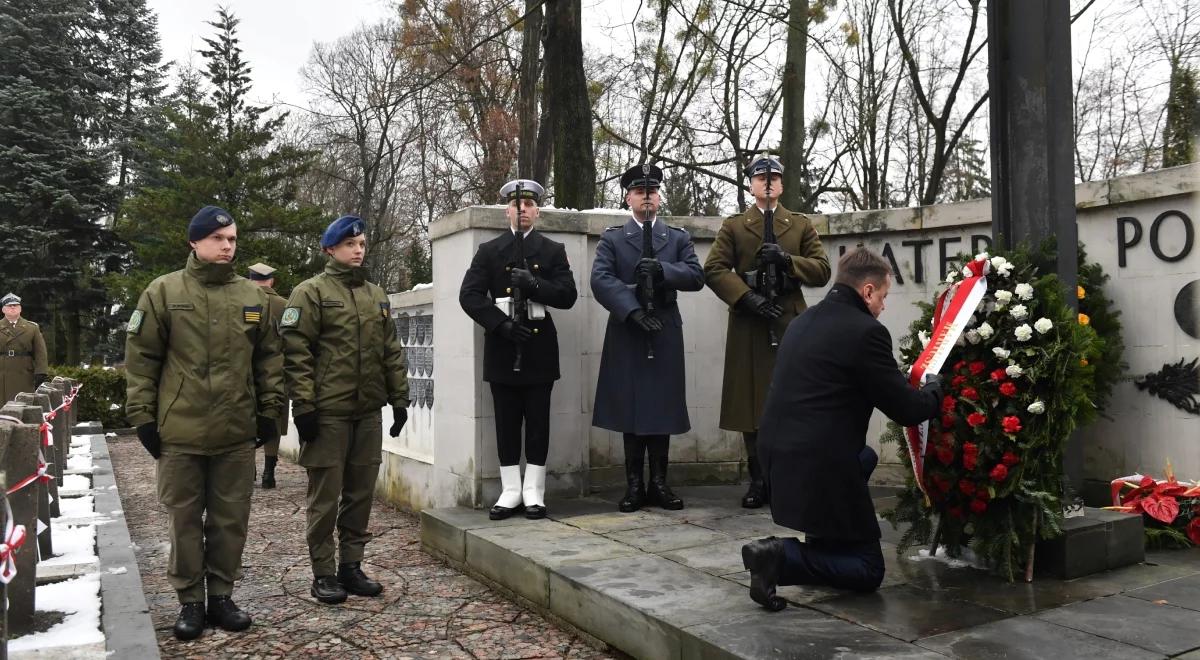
835,365
635,394
489,278
749,357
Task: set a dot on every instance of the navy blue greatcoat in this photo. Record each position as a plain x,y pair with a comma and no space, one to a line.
634,394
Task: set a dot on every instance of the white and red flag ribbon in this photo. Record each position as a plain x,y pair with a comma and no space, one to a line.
14,538
950,317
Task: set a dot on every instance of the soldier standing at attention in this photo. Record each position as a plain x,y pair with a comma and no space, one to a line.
342,363
264,276
22,352
734,271
204,380
520,385
641,389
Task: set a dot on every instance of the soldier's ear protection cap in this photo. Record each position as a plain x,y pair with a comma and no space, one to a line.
341,229
206,221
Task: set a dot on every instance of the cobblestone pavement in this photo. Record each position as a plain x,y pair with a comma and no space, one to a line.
427,610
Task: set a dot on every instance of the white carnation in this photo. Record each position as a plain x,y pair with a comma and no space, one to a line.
1006,269
924,337
1024,291
1004,296
1023,332
961,341
986,330
1043,325
973,336
1001,353
950,275
982,256
1014,370
1037,407
1019,312
998,262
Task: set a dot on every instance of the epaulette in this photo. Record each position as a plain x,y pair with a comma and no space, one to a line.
613,227
33,323
679,229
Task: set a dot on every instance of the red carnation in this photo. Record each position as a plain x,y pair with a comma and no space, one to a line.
999,375
977,367
976,419
1193,530
970,448
970,460
945,455
978,506
959,365
1011,424
957,381
948,404
967,487
999,473
982,494
1008,388
1010,459
970,394
948,421
955,511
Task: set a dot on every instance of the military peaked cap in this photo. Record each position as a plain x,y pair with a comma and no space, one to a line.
10,299
529,189
260,272
762,164
642,176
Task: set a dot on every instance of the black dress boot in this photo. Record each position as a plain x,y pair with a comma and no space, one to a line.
635,485
764,559
327,590
269,471
190,623
755,496
658,492
225,613
353,580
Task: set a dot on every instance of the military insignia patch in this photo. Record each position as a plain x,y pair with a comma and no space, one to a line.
135,322
252,314
291,316
385,309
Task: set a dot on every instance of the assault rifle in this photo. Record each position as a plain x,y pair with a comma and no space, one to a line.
518,314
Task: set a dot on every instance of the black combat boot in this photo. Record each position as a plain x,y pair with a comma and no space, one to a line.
190,623
353,580
764,559
224,613
635,486
658,492
269,471
327,590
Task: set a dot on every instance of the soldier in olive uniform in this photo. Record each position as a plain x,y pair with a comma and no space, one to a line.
520,386
22,352
737,256
204,381
264,276
342,363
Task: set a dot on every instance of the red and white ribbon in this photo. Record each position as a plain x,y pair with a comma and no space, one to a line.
41,468
14,538
950,317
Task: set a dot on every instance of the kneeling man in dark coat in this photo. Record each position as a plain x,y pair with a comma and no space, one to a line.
835,366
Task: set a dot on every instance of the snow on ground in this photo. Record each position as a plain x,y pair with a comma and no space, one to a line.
79,599
967,560
77,507
72,545
76,482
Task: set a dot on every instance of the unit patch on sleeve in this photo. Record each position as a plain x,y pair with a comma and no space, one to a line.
252,314
385,308
135,322
291,316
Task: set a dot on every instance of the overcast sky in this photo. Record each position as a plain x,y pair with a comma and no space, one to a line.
276,35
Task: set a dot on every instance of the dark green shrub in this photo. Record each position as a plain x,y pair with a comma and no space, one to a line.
103,388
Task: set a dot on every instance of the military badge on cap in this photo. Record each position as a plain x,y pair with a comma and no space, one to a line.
10,299
762,164
291,317
341,229
523,188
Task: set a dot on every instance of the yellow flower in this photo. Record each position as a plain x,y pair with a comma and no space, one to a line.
1083,362
1083,319
1079,292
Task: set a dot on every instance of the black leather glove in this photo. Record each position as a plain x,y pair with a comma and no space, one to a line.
934,384
514,332
524,280
645,322
38,379
654,266
266,429
306,426
399,417
758,304
773,254
148,436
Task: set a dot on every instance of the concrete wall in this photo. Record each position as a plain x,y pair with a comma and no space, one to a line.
1143,434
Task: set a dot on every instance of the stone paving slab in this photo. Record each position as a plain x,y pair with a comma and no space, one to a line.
1160,628
1027,638
428,609
908,613
669,537
1180,592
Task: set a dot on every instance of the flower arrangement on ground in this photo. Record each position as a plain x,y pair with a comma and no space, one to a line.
1019,380
1170,508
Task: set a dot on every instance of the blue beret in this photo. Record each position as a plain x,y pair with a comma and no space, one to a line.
206,221
340,229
